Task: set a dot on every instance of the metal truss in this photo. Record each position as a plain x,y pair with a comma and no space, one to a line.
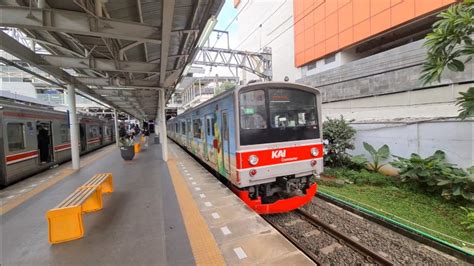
259,64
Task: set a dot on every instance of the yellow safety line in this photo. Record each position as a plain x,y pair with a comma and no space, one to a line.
15,202
203,244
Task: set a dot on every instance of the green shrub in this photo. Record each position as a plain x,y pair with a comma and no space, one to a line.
362,177
339,137
378,156
468,220
434,174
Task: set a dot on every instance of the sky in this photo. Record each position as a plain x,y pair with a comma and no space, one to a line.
224,20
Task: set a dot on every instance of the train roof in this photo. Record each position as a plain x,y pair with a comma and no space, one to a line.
32,107
238,88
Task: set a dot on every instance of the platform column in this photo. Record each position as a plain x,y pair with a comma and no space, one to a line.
117,137
162,118
73,125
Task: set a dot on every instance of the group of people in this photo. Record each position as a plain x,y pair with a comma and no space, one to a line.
133,131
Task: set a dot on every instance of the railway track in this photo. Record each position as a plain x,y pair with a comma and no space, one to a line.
339,246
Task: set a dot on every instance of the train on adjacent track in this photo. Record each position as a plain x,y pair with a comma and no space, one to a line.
264,138
33,138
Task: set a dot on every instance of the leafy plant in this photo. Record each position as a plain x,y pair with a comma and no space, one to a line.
358,162
436,175
466,103
450,45
377,156
468,220
126,142
338,137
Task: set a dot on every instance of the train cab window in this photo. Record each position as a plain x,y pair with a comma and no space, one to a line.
197,124
292,108
253,113
183,128
64,133
16,136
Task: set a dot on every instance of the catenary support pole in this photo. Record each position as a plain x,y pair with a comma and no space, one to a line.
73,125
117,137
162,117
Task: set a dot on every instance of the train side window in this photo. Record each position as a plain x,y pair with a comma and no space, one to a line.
16,136
225,126
208,126
64,132
197,124
253,114
213,121
176,128
183,128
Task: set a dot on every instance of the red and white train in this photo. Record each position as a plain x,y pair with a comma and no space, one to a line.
34,138
264,138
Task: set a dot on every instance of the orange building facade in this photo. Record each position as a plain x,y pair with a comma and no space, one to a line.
324,27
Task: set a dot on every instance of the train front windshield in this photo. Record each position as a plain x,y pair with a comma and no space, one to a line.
273,115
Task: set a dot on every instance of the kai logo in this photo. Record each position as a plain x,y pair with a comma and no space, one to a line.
278,154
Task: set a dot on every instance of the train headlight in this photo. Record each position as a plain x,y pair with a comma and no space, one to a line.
314,152
253,159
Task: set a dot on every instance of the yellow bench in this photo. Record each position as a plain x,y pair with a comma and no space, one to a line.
65,220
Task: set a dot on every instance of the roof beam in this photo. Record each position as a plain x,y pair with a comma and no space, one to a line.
14,48
166,25
77,23
101,64
109,82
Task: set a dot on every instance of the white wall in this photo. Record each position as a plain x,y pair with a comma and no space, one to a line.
455,138
276,31
420,122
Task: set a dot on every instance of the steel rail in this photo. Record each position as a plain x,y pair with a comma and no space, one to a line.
293,240
347,240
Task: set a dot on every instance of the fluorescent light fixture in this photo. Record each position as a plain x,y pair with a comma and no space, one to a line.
207,31
186,69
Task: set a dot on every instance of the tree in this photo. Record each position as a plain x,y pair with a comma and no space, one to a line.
450,45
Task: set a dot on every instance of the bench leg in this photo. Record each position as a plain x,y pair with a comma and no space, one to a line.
94,202
108,184
64,224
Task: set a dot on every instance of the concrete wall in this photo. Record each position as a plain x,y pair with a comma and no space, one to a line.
276,31
455,138
404,106
395,70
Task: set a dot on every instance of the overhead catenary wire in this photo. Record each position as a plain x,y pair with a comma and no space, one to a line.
261,23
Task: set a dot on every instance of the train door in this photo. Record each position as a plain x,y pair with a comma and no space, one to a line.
82,136
189,134
101,135
225,141
44,135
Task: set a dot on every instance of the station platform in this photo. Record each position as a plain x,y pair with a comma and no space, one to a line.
165,213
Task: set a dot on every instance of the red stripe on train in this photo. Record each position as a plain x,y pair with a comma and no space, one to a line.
278,156
20,156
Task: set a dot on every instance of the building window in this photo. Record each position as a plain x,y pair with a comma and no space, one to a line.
64,132
16,136
312,66
330,59
197,124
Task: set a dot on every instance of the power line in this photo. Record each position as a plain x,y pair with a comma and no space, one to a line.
281,33
260,25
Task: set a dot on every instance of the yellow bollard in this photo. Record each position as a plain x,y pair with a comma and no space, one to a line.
137,147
